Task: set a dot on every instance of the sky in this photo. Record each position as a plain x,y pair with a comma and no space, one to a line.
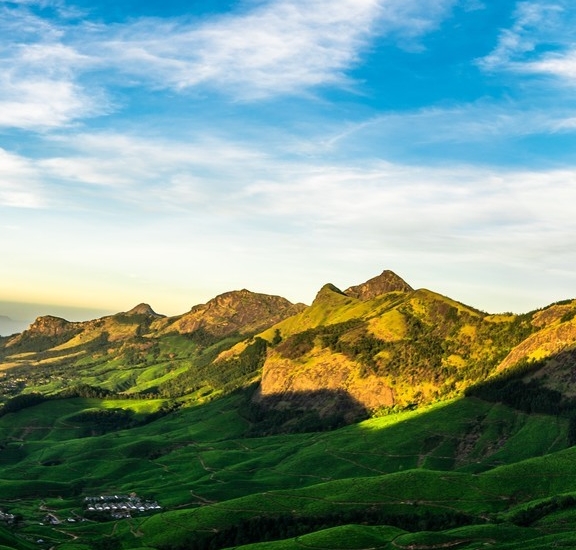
167,152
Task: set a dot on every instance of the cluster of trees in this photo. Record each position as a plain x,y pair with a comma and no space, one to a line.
97,421
530,397
203,338
530,515
299,416
85,391
100,421
141,351
268,528
22,401
226,375
299,344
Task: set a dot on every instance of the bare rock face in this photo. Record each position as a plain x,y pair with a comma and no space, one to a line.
546,343
386,282
143,309
49,325
321,384
236,312
46,328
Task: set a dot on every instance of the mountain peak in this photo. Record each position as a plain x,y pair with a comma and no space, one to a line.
49,325
143,309
45,327
386,282
235,312
329,287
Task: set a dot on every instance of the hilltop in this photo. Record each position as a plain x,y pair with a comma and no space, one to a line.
377,416
378,345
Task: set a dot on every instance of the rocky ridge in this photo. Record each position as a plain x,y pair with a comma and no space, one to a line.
235,312
386,282
381,344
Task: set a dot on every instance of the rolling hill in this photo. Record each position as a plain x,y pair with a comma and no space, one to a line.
380,416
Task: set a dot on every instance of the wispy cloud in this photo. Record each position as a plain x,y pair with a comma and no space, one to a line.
409,211
274,48
39,86
359,198
151,175
540,41
559,65
279,47
535,23
212,196
19,182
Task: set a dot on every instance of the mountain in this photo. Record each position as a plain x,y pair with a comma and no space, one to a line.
404,348
236,312
381,416
144,309
386,282
379,345
145,350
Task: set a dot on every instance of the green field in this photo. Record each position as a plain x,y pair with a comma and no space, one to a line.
405,420
461,474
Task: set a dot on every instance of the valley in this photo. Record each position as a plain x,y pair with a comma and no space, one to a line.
377,417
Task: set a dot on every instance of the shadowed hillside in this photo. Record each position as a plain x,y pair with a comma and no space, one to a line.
384,344
377,417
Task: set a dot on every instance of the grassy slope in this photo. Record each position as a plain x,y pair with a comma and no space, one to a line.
466,456
462,461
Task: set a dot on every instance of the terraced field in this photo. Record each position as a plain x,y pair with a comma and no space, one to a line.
463,474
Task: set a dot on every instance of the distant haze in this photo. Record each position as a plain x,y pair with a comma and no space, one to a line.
17,316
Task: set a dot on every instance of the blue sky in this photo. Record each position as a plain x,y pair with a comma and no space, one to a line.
170,151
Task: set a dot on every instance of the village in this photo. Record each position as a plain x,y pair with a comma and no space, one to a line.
107,507
118,506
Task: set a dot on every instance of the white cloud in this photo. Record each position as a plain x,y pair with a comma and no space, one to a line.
481,212
535,23
356,197
19,182
403,202
272,48
540,42
277,47
229,205
39,86
40,103
560,65
148,175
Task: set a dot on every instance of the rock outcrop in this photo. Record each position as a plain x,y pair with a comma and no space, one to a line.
386,282
235,312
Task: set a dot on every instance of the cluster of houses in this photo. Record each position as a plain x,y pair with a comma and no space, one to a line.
119,506
7,518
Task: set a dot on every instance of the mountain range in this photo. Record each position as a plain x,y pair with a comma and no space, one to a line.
253,419
382,344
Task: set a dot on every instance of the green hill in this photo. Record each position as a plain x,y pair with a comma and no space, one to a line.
377,417
463,466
